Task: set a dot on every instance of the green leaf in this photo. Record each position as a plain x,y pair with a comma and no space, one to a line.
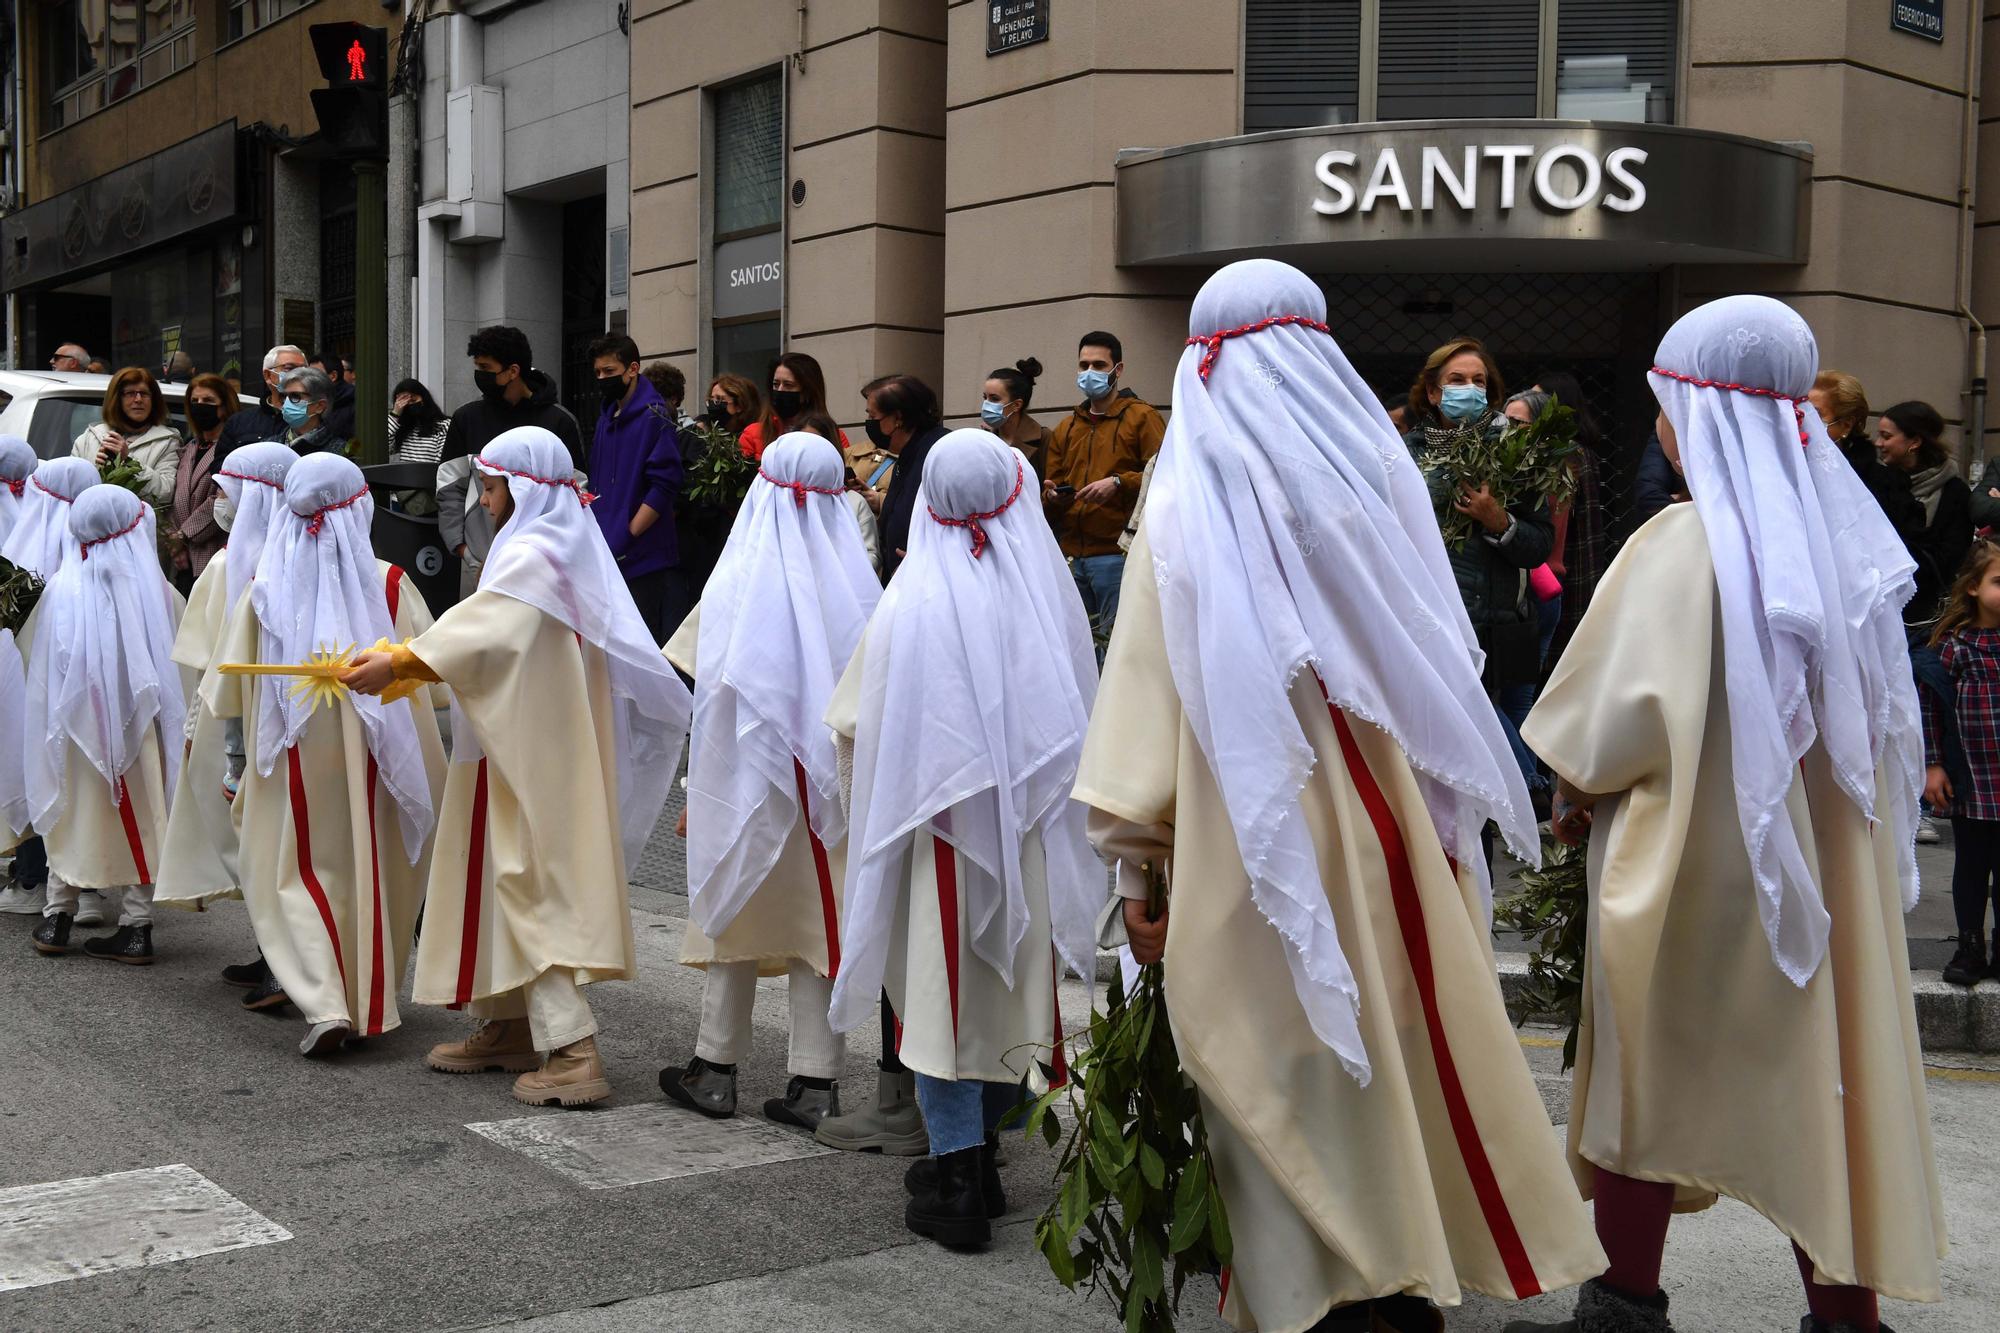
1190,1206
1218,1226
1056,1251
1151,1166
1072,1203
1148,1277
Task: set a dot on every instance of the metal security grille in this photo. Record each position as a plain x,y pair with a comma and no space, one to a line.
336,284
1451,58
1301,62
1602,327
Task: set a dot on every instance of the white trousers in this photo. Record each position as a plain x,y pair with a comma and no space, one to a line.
552,1003
730,993
135,901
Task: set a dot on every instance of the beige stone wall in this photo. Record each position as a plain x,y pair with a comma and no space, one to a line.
1028,186
1883,111
864,257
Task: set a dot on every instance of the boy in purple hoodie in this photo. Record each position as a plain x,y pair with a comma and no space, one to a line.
635,469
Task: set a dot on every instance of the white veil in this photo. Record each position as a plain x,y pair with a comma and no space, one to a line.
975,694
253,479
1290,531
17,465
318,589
780,617
101,672
1812,581
551,554
41,538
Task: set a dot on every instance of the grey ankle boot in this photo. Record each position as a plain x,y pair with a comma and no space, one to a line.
1604,1309
893,1125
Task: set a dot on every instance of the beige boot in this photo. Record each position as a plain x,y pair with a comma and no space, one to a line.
498,1043
574,1076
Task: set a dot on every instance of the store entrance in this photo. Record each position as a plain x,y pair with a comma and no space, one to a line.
1602,327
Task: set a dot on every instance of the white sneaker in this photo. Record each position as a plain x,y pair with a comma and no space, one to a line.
1927,832
90,908
23,902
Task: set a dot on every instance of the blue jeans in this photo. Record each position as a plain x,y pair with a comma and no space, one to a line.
1097,580
959,1113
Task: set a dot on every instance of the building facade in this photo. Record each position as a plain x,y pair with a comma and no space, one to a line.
517,144
897,185
166,200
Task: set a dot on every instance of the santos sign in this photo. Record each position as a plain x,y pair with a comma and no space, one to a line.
1466,196
1566,177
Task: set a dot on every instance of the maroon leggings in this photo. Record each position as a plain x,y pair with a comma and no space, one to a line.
1632,1220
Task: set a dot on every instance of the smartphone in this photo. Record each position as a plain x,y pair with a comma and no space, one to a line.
1065,491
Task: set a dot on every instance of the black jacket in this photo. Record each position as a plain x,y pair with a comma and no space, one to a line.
1940,548
461,522
901,502
340,413
249,426
1890,488
1656,484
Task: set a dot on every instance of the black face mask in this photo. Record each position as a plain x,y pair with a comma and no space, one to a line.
876,435
204,415
719,413
786,403
489,386
613,388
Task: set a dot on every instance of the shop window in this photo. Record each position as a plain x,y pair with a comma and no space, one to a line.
1615,60
1453,59
96,52
748,349
1301,63
749,157
246,16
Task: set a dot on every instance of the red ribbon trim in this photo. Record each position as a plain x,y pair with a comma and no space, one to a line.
1798,406
18,486
245,476
317,519
973,521
583,496
84,550
1213,341
800,489
56,495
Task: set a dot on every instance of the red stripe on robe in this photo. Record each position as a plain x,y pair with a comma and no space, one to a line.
132,838
946,861
827,909
302,838
1416,943
475,887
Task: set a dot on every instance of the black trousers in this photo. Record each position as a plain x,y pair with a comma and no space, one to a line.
1976,844
663,601
31,864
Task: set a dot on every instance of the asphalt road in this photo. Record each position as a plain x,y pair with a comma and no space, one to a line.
365,1192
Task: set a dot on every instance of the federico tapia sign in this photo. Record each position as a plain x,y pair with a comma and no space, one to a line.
1925,18
1562,177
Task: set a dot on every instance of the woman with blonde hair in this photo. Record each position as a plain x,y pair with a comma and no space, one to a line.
135,427
733,401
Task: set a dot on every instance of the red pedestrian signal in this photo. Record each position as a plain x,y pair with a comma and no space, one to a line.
353,109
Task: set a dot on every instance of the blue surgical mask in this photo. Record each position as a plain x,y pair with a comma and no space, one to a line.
296,412
992,414
1462,402
1094,383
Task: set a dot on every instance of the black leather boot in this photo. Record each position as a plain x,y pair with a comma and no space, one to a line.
52,934
954,1213
249,975
1968,963
127,944
1605,1309
704,1087
921,1178
268,995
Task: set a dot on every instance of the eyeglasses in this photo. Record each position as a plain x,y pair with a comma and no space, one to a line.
298,396
136,393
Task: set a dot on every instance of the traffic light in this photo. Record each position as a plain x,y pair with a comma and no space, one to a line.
353,108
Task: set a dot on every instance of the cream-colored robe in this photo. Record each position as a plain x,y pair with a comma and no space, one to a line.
105,838
528,871
199,861
332,894
1698,1062
795,913
1439,1175
959,1018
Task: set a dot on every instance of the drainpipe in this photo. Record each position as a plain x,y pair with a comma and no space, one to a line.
1967,164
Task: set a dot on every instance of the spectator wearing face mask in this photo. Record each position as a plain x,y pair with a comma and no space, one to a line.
1096,460
417,425
339,421
798,389
195,536
1003,409
635,468
733,403
511,393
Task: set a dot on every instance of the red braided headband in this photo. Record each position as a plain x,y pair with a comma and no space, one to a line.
800,489
84,549
1213,341
1798,406
317,518
973,521
18,486
43,488
583,496
245,476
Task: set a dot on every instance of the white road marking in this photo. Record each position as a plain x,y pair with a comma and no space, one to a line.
635,1145
67,1229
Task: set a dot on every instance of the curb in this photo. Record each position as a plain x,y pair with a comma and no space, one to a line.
1949,1018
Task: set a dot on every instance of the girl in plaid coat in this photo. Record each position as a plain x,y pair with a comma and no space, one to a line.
1965,721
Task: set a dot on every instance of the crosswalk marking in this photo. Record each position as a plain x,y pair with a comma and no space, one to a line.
67,1229
636,1145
